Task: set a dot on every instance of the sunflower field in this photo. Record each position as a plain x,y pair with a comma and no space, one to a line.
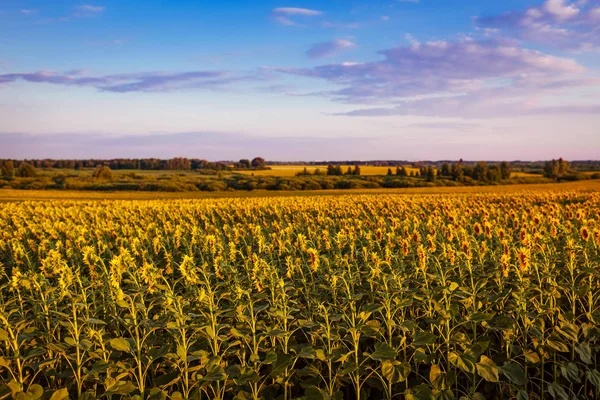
452,296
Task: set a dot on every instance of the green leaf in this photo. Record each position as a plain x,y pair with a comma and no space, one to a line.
557,392
320,354
167,380
420,392
217,373
437,378
555,342
315,393
307,352
60,394
120,388
593,377
532,357
424,339
283,361
585,352
156,394
488,369
465,361
570,331
570,372
522,395
388,370
120,344
481,317
395,372
403,371
99,367
461,338
270,358
35,392
515,373
157,353
95,321
383,351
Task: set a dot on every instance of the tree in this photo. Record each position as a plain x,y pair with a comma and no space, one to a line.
445,169
258,163
480,171
505,170
349,170
556,168
430,174
7,170
389,173
244,163
26,170
401,171
103,172
356,170
494,174
456,172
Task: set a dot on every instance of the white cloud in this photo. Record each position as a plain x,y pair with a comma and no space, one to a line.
283,15
89,10
326,49
561,10
296,11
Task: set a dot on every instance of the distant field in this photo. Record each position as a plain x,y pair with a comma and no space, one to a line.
291,170
524,175
35,195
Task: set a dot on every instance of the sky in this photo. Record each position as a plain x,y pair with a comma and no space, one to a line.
300,80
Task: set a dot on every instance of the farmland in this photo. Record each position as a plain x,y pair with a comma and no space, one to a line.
292,170
489,293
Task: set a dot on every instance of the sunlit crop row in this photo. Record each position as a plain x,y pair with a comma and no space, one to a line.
389,296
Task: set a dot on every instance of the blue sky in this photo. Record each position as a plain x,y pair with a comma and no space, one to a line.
303,80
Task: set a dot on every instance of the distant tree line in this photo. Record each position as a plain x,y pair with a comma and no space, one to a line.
256,164
178,163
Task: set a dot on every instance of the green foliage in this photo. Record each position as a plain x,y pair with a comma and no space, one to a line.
7,169
102,172
26,170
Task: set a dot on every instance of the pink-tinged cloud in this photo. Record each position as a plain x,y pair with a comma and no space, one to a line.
327,49
572,26
440,67
136,82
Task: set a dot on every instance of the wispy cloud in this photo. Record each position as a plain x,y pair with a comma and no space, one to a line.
470,78
27,11
284,15
296,11
88,10
327,49
440,67
340,25
139,82
573,26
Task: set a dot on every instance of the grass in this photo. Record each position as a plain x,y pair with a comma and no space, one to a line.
11,195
